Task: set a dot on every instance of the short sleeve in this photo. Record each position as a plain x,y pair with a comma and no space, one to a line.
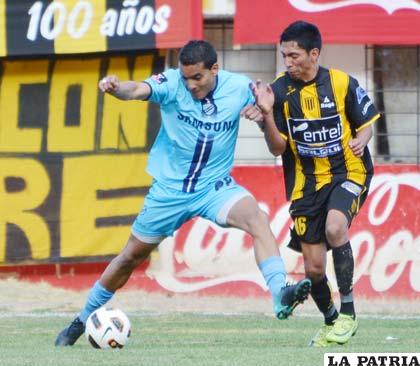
249,97
163,86
360,110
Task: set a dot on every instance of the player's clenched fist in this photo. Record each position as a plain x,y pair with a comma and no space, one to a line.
109,84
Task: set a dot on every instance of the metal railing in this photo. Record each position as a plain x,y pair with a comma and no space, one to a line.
394,75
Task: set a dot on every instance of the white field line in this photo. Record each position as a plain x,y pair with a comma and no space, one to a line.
47,314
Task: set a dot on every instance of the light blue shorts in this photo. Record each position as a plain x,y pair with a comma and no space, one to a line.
166,209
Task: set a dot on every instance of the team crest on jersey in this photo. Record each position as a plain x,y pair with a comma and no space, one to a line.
159,78
208,107
309,103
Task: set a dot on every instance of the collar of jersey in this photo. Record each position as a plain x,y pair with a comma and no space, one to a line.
211,92
315,79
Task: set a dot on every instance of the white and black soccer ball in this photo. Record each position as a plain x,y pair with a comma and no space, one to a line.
108,328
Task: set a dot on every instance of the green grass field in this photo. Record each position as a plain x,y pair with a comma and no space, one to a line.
197,339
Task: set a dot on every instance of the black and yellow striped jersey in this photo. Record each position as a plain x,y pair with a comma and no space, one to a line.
318,119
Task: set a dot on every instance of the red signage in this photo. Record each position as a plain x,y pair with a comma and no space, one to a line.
187,23
385,236
207,259
340,21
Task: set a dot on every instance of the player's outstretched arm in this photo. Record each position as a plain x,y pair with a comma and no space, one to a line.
125,90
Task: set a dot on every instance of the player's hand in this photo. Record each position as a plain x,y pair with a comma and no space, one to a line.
264,96
252,113
109,84
357,146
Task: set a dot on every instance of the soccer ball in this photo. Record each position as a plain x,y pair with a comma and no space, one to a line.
108,328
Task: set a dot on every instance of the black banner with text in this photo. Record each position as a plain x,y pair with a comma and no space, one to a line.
29,27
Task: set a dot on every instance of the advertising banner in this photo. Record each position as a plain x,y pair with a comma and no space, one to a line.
72,160
72,180
385,236
340,21
29,27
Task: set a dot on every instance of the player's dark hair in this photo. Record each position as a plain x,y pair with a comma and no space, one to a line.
196,51
305,34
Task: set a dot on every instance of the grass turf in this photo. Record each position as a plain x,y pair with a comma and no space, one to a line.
200,340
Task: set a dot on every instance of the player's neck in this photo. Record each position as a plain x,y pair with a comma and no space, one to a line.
213,88
311,74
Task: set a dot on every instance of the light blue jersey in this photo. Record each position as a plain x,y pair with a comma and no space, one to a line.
196,142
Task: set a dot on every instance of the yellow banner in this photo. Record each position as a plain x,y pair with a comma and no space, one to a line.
71,158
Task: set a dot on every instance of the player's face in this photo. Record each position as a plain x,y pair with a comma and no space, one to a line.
300,64
198,79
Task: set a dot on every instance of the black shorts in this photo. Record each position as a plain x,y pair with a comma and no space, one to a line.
309,213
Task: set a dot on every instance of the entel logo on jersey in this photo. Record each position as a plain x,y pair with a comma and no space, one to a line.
328,133
390,6
316,137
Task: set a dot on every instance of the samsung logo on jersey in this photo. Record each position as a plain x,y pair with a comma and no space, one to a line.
207,126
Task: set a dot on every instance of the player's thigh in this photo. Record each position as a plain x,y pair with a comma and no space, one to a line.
346,198
309,228
217,203
164,211
337,228
309,215
246,215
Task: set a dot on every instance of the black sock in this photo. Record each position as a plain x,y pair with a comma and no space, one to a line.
344,270
321,293
348,308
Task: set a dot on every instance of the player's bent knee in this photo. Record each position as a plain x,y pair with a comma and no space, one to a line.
246,215
315,272
125,262
132,258
336,233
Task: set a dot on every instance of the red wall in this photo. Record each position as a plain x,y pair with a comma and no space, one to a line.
206,259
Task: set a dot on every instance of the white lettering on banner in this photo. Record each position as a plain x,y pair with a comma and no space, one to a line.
131,19
35,13
162,15
57,17
210,255
51,23
389,5
81,7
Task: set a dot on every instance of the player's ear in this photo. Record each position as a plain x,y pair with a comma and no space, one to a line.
314,53
215,68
